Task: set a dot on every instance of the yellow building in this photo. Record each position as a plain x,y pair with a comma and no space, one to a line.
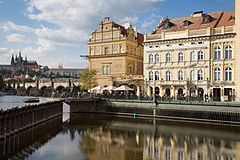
116,53
192,56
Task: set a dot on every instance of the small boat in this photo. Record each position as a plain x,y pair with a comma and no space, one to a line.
31,100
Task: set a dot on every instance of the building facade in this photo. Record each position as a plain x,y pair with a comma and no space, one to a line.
192,56
116,53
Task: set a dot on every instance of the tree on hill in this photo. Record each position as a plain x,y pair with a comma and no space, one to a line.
88,79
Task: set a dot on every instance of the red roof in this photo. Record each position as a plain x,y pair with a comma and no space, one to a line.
225,20
219,19
58,69
31,66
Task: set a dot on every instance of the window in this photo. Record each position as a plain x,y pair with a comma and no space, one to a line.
192,75
228,52
108,70
217,74
217,53
150,58
168,57
157,58
228,74
200,55
157,77
104,70
180,75
180,57
151,76
192,56
200,75
168,76
130,69
106,50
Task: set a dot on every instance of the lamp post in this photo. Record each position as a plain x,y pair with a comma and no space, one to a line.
154,95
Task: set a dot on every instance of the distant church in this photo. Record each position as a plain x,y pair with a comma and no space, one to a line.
19,63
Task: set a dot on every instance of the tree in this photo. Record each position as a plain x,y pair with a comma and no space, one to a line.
88,79
1,82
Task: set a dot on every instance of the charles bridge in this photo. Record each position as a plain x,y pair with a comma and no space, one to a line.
43,87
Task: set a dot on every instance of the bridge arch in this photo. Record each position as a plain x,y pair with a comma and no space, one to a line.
60,89
42,90
28,89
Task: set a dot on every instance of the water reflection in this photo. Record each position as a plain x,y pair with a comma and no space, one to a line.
99,137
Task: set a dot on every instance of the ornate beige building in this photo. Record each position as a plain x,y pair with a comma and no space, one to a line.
116,53
193,56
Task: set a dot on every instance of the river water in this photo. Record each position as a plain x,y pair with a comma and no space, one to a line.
105,137
7,102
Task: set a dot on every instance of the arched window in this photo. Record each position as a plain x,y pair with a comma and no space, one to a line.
217,52
228,74
180,57
192,75
192,56
168,57
200,55
157,60
217,74
150,58
168,76
151,76
157,77
228,52
200,75
180,75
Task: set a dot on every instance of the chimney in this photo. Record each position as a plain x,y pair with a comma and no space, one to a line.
135,31
106,19
197,14
127,25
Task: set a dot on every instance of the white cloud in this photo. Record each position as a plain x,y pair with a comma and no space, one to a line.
17,38
8,26
74,20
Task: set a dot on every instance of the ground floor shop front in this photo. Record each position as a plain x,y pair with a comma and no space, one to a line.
200,92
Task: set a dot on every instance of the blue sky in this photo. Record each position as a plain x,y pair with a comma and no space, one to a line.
56,32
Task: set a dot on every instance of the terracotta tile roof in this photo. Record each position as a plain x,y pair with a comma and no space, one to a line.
59,69
225,20
196,22
31,66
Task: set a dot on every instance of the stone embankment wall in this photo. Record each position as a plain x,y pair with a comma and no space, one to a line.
200,113
18,119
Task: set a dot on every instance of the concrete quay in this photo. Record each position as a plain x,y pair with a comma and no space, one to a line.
220,113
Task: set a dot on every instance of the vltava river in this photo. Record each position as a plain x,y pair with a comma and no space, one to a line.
7,102
102,137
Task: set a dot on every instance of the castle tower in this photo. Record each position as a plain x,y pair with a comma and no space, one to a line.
12,60
237,48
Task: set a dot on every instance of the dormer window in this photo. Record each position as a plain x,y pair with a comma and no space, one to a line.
186,23
167,24
207,19
232,18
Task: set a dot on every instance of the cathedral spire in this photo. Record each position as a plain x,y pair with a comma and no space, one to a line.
12,60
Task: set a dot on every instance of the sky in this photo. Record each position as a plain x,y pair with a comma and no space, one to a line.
56,32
